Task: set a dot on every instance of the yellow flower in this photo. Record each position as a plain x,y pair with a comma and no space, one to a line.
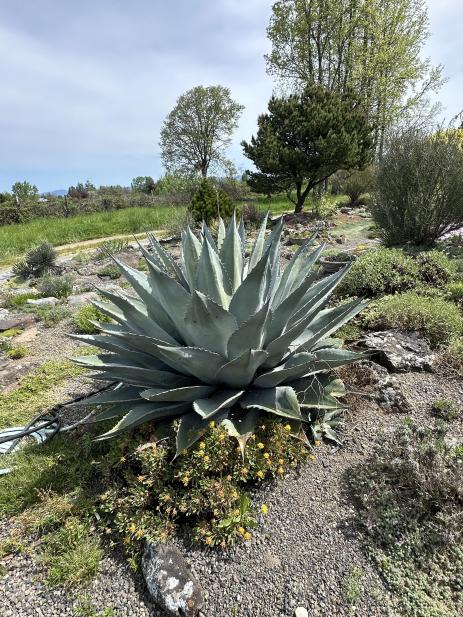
139,533
141,478
244,470
208,540
202,445
212,423
241,530
247,536
280,470
318,442
206,459
311,457
167,497
281,461
132,527
200,452
260,445
260,474
266,455
264,508
287,427
235,494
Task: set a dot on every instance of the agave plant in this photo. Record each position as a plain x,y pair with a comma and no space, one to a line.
220,337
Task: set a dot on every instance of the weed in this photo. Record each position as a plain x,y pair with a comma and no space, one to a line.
84,317
352,588
445,410
55,286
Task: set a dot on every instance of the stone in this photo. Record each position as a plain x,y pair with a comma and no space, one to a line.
392,397
10,372
170,583
82,299
345,210
43,301
4,313
301,612
17,321
399,352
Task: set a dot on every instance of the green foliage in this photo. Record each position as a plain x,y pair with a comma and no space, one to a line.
111,247
439,320
383,271
204,488
419,189
221,337
454,292
356,185
208,203
352,587
38,261
34,392
85,315
15,352
451,358
198,130
304,139
444,409
18,300
144,184
409,497
51,315
55,286
109,271
434,268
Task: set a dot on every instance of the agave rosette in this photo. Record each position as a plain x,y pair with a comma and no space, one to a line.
220,337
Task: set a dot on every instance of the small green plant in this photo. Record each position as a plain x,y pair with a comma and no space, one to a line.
55,286
352,587
84,317
85,608
439,320
51,315
434,268
379,272
111,247
445,410
452,356
110,271
18,300
208,203
454,292
16,352
6,334
37,262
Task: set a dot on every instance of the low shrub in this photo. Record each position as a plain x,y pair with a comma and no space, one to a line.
84,316
409,498
356,185
434,268
451,358
51,315
18,300
204,489
209,202
38,261
454,293
55,286
110,271
445,410
378,272
437,320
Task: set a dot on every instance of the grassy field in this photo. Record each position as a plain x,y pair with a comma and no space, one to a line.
16,239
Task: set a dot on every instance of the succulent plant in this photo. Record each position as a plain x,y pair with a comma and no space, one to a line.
219,337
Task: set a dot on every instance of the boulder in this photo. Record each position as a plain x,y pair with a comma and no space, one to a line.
170,583
16,321
43,301
399,352
11,372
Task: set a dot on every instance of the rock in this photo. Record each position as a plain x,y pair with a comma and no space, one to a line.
399,352
301,612
10,372
169,580
340,239
43,301
82,299
345,210
4,313
16,321
392,397
6,275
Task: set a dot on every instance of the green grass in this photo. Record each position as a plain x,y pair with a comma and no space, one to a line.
35,392
16,239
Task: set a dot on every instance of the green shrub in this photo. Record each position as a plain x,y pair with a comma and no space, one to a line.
409,499
84,316
38,261
356,185
445,410
378,272
51,315
16,352
434,268
111,271
55,286
419,189
18,300
451,358
208,203
454,292
437,320
204,489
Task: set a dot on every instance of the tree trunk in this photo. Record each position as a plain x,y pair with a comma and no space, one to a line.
300,199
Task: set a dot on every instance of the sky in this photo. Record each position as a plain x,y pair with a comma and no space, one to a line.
85,86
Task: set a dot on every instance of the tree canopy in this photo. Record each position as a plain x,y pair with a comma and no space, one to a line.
143,184
197,132
304,139
370,47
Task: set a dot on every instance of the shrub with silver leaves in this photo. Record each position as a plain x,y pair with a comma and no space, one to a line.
220,337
